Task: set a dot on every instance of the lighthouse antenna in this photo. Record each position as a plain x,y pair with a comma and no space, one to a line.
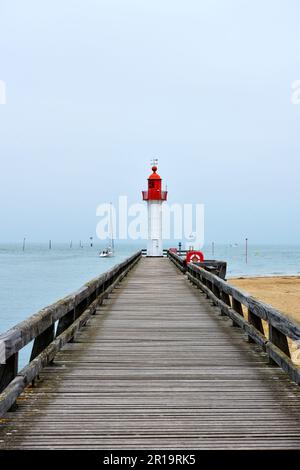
154,162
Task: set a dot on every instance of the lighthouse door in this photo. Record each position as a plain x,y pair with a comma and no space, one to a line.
155,247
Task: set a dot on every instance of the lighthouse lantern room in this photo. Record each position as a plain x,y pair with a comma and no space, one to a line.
155,196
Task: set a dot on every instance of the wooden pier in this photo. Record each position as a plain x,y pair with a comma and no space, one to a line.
149,356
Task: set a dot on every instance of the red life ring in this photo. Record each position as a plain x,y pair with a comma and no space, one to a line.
194,257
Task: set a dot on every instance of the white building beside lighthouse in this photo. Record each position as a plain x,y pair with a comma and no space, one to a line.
154,197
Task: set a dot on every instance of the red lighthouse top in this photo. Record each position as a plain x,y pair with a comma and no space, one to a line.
154,192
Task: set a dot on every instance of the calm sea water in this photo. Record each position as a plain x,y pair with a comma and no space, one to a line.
35,278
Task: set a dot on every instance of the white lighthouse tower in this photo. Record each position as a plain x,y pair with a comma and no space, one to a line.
154,197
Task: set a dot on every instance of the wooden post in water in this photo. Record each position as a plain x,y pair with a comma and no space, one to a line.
246,253
24,241
50,245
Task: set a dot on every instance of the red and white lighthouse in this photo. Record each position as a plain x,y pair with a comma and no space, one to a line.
154,197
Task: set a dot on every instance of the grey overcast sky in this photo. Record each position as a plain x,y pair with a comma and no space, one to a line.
96,88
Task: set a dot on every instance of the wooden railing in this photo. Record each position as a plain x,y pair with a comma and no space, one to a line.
213,266
251,315
177,260
165,252
51,328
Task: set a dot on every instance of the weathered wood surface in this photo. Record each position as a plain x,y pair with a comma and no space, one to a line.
71,315
157,367
230,300
35,326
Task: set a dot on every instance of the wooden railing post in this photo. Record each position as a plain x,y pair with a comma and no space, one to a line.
237,307
205,283
65,322
226,299
279,340
42,341
210,285
216,292
256,322
8,371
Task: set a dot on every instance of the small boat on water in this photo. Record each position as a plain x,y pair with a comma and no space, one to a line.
109,251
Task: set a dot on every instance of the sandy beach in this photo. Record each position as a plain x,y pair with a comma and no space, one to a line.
283,292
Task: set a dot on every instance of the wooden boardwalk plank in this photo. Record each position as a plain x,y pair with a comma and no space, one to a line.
157,367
